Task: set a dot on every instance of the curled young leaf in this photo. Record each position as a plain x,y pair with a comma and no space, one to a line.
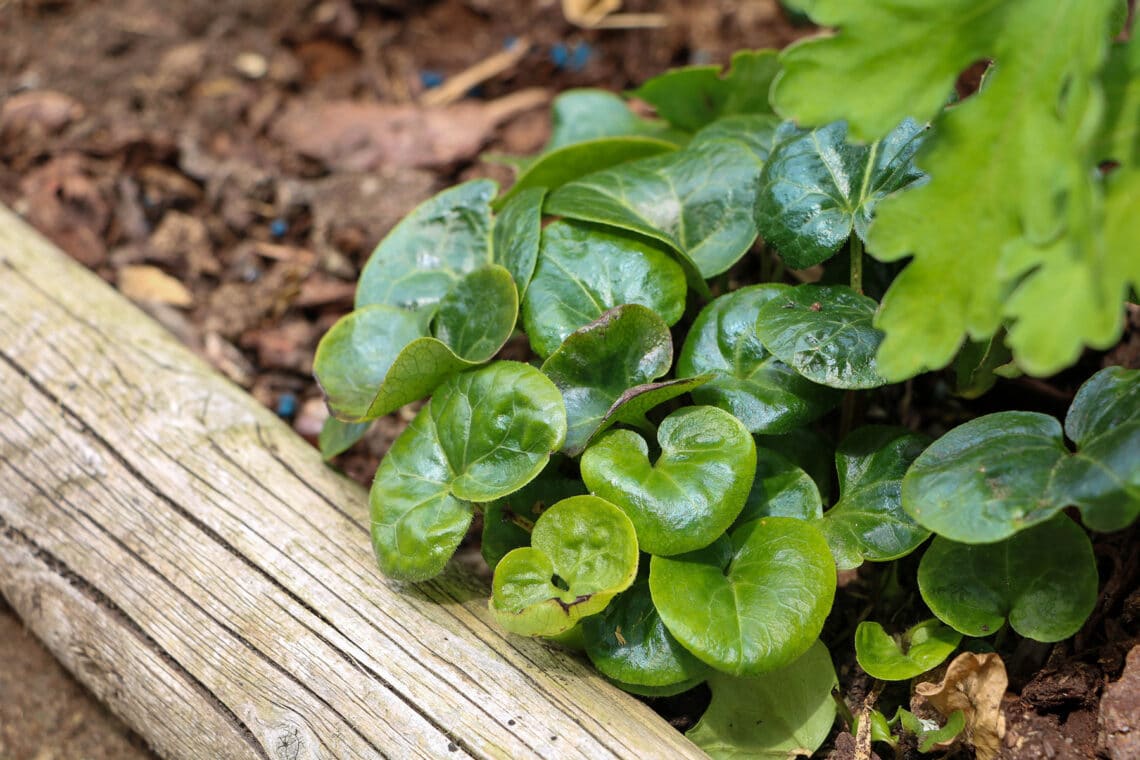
921,648
583,552
1044,579
824,332
763,392
783,714
751,602
693,491
583,270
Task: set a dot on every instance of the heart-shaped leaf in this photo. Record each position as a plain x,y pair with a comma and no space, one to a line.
565,164
694,490
484,434
816,188
508,521
868,522
751,602
584,270
824,332
516,234
337,437
921,648
776,716
367,370
763,392
1000,473
780,489
697,200
695,96
630,645
607,365
583,552
1044,579
426,253
587,114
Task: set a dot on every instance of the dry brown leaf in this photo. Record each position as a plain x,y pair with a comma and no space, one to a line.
146,283
974,684
351,136
46,110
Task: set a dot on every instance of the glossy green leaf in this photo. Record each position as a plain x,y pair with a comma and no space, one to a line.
508,521
583,552
584,270
606,364
978,364
697,200
868,521
588,114
930,734
693,491
816,188
516,234
629,644
695,96
824,332
780,489
425,254
484,434
764,393
921,648
337,437
751,602
565,164
367,370
1044,580
777,716
997,474
880,728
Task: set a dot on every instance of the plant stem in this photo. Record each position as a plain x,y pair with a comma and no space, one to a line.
856,249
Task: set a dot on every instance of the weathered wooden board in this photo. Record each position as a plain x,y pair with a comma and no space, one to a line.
198,567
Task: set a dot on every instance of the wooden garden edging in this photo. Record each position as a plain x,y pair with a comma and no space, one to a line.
196,565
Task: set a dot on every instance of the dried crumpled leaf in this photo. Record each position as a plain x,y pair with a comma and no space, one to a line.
974,684
147,283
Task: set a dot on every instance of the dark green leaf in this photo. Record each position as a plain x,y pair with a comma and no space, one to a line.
752,602
807,449
583,552
516,234
338,437
977,364
697,200
1044,579
695,96
816,188
868,522
629,644
483,435
780,489
628,346
693,491
777,716
824,332
584,270
764,393
923,647
426,253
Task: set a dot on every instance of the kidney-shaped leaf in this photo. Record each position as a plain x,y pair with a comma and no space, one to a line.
516,234
780,489
423,256
583,270
816,188
751,602
1044,579
824,332
630,645
483,435
780,715
366,372
921,648
583,552
697,200
509,520
695,489
598,365
868,521
763,392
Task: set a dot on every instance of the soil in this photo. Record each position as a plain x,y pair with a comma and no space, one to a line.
229,166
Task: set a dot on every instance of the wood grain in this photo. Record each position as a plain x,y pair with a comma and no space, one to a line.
197,566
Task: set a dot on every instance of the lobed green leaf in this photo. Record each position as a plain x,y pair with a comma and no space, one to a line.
921,648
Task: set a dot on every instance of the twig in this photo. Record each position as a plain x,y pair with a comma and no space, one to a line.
459,85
